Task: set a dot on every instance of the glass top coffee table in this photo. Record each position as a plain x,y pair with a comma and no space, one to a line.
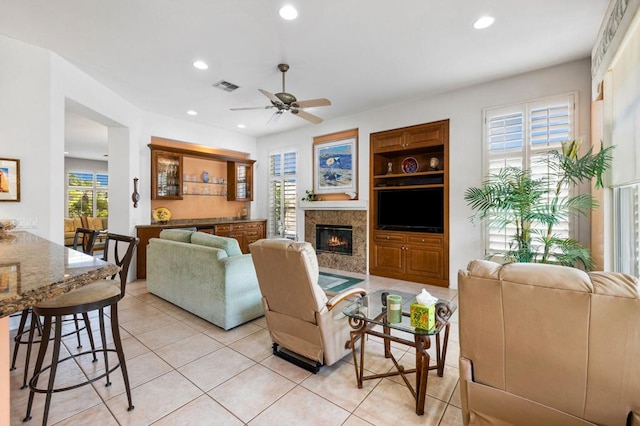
368,316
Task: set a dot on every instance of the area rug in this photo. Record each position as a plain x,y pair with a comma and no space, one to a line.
336,283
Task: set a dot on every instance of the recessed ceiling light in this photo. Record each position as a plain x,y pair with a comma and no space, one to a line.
192,112
484,22
201,65
288,12
241,126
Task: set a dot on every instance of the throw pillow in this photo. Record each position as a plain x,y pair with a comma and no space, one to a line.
229,245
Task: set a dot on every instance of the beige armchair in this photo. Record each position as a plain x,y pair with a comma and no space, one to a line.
548,345
306,327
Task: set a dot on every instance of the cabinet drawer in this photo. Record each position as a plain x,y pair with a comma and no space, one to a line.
253,225
222,229
237,227
388,237
433,240
252,234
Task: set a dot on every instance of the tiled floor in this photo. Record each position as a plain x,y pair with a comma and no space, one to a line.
184,370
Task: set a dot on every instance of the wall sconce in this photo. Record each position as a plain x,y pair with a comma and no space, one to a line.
135,197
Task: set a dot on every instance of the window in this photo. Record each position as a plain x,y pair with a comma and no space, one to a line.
521,136
627,229
282,194
87,194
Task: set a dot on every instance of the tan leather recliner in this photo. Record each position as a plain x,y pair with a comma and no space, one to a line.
548,345
299,315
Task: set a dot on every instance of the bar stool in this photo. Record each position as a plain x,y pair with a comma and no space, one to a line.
92,297
83,240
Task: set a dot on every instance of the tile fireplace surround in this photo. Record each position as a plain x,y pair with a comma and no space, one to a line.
326,215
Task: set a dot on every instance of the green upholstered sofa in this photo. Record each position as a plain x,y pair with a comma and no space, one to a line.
204,274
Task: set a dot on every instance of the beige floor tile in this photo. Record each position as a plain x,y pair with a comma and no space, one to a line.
455,397
229,336
200,411
187,350
97,415
299,404
338,384
215,368
141,369
390,403
130,302
354,420
260,322
452,417
63,405
256,346
154,399
284,368
252,391
438,387
166,335
374,360
137,312
147,323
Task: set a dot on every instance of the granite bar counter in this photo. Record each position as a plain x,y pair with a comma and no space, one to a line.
33,269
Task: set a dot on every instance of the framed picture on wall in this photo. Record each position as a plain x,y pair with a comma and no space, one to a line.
335,163
9,179
9,280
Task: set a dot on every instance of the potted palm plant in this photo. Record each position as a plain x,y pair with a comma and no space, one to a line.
535,205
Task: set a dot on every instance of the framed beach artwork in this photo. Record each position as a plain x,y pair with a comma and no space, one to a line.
9,179
335,163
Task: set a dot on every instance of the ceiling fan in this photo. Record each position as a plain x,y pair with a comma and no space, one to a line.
284,101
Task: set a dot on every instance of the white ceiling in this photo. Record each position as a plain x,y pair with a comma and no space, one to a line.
361,55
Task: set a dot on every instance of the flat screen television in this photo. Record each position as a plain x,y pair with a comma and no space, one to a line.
418,210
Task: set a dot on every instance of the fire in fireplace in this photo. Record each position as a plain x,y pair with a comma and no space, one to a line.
334,239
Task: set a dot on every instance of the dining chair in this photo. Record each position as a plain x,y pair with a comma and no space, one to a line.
83,240
92,297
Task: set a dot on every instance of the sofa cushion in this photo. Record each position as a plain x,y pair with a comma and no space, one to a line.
69,226
95,223
181,235
229,245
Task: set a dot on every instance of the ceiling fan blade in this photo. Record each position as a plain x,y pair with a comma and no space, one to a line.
310,117
242,109
274,118
311,103
271,96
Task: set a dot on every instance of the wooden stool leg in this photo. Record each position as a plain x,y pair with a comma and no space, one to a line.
75,321
103,336
87,326
23,321
115,330
46,332
27,360
57,341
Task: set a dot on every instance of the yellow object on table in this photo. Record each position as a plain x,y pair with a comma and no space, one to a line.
423,316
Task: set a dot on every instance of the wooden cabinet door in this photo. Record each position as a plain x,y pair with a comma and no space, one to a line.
424,136
387,141
425,261
387,258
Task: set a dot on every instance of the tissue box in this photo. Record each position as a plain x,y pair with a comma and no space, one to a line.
423,317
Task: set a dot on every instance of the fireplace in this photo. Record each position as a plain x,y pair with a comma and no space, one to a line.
334,239
356,259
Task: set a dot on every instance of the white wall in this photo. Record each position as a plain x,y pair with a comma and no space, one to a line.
464,109
35,85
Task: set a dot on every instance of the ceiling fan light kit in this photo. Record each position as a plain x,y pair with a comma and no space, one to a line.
284,101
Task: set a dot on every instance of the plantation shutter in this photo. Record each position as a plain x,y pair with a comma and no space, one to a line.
282,194
521,136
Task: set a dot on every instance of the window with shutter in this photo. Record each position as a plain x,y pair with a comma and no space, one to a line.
626,201
521,136
87,194
282,194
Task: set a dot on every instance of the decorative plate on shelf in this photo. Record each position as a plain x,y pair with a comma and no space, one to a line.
409,165
161,214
